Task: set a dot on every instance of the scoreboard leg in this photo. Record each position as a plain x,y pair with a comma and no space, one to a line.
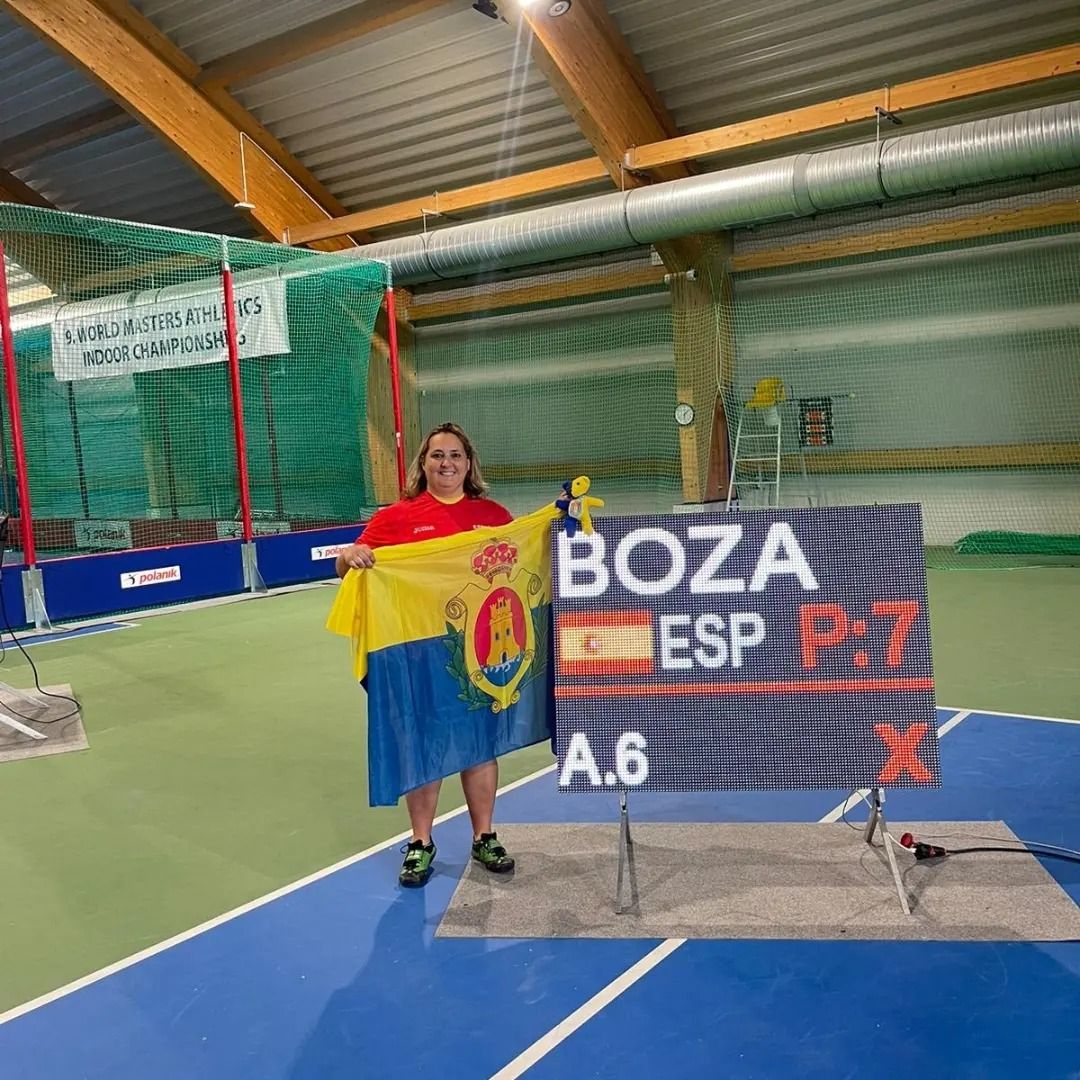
626,860
877,823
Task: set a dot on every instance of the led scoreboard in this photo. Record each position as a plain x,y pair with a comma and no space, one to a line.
760,649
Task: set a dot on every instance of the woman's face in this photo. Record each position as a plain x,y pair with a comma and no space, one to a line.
446,465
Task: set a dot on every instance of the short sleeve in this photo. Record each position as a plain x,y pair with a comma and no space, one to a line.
499,514
383,529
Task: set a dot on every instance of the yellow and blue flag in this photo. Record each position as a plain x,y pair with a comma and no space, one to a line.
451,639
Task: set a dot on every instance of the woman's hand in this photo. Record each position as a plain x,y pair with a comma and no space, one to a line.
354,557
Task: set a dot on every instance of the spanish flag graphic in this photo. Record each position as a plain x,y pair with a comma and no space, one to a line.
605,643
451,638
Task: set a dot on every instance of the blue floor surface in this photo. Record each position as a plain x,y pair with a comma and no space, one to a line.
344,977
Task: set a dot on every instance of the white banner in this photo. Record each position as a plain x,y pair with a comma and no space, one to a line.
181,326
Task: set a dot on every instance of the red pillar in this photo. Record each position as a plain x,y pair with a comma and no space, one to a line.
18,446
395,384
237,399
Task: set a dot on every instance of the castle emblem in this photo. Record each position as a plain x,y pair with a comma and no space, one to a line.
492,628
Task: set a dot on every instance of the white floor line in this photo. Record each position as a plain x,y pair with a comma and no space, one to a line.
133,618
961,714
1020,716
580,1016
56,635
195,605
251,905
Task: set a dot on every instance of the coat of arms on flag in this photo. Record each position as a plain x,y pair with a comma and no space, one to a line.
497,632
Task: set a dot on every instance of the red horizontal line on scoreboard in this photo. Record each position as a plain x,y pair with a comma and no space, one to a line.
573,619
808,686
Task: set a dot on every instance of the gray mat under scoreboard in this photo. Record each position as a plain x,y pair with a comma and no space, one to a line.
810,881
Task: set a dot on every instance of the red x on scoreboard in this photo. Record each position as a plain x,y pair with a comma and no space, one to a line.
904,755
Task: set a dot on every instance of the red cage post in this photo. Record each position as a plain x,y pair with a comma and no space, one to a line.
252,578
395,384
18,447
243,478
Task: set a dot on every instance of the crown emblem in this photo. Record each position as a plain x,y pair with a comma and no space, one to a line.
498,557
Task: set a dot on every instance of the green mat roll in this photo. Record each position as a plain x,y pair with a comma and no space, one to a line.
997,542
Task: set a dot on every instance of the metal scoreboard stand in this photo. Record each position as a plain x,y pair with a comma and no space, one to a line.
626,869
877,823
626,874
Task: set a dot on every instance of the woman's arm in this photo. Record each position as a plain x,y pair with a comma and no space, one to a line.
354,557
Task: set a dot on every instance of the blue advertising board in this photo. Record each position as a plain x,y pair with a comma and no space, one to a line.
83,586
760,649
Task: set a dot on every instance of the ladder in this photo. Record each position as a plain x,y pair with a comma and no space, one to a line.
764,445
764,450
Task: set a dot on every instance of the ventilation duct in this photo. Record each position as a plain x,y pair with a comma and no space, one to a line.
1005,147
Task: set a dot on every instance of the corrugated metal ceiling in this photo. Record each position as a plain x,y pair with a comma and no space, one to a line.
451,98
208,29
440,101
37,86
129,173
715,63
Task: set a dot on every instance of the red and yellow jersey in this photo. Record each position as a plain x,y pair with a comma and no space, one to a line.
425,518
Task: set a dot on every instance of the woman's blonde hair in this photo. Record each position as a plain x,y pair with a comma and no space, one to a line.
416,482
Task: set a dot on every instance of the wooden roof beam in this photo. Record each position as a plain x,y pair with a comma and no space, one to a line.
529,293
184,66
601,82
985,78
556,178
945,231
125,54
997,222
935,90
13,190
603,85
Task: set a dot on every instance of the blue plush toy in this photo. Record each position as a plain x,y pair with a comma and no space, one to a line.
576,504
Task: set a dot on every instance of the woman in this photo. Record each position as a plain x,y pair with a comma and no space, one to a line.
444,495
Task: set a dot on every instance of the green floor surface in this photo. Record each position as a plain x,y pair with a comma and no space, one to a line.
227,759
1007,640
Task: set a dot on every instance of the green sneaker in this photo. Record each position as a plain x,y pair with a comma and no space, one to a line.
416,868
491,855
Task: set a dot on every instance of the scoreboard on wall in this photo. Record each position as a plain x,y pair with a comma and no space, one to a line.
761,649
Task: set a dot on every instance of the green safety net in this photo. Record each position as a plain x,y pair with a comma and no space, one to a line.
946,374
125,391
